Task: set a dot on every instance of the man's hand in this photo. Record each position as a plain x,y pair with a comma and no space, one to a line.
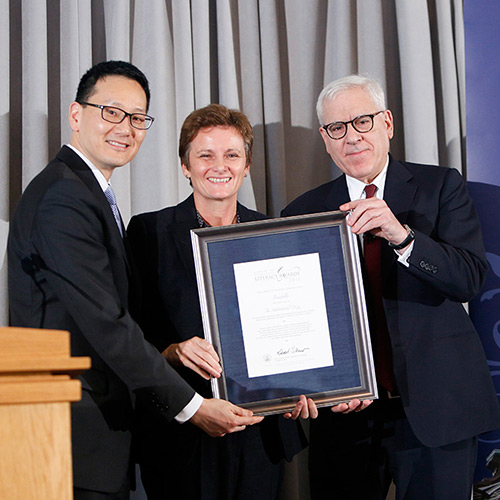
196,354
374,216
218,417
354,405
305,408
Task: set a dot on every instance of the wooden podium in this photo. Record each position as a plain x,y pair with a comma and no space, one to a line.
36,389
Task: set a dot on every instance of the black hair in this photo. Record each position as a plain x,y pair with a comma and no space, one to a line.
101,70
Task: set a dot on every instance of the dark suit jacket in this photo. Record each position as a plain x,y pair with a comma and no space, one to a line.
69,270
439,363
170,313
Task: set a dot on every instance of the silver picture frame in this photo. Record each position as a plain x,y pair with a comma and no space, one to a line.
325,236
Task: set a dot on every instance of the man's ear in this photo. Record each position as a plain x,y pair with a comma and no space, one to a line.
324,135
75,111
389,123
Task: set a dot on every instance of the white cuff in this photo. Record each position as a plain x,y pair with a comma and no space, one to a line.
403,258
190,409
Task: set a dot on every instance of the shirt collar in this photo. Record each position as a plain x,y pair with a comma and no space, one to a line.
97,173
356,188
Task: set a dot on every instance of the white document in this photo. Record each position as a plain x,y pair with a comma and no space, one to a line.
283,315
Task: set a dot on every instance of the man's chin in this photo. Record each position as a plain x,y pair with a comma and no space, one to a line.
120,162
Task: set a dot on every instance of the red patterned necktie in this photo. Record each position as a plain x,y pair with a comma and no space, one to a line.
378,323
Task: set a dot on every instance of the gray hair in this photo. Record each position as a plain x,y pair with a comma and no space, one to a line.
366,82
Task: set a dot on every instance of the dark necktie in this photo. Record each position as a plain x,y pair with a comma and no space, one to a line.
378,323
110,196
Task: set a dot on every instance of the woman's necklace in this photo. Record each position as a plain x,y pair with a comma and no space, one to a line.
203,223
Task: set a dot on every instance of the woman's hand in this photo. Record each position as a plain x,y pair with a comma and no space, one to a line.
196,354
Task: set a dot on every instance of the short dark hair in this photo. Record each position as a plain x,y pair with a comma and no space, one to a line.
214,115
101,70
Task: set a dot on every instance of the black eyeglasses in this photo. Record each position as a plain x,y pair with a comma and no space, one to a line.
362,124
116,115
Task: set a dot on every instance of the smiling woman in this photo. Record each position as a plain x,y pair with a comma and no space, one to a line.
217,166
179,461
215,148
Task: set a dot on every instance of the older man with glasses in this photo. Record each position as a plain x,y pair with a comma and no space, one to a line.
423,257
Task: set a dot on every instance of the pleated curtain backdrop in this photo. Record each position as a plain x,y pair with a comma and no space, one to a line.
269,58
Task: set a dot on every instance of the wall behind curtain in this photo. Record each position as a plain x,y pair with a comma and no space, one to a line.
269,58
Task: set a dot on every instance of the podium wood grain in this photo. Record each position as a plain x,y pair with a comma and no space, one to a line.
36,389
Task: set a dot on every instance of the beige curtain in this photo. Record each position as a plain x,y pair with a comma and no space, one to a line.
269,58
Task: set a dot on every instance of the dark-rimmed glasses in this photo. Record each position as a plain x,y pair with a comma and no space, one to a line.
113,114
362,124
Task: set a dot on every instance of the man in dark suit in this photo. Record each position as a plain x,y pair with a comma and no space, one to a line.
69,269
436,393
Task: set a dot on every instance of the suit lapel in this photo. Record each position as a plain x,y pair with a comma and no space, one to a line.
183,221
399,191
338,194
81,169
247,215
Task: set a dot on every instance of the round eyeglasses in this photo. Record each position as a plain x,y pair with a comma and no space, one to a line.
113,114
362,124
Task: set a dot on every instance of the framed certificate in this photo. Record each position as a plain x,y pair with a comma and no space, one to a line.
283,304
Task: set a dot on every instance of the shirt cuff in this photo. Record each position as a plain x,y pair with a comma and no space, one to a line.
190,409
403,258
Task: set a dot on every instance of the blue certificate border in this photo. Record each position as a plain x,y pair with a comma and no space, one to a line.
221,248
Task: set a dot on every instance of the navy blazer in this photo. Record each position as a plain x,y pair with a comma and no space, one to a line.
170,313
69,270
439,363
